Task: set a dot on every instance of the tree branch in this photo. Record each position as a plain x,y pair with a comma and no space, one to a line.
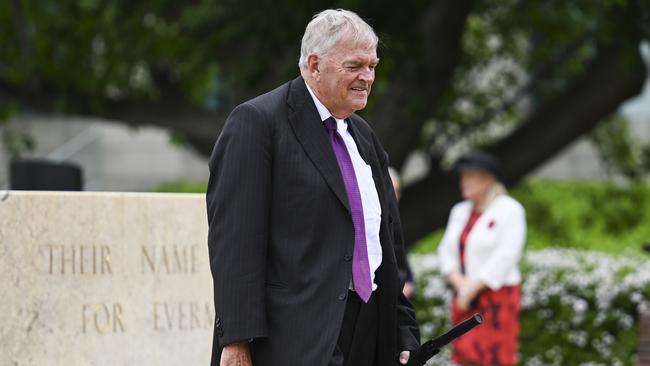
616,74
416,93
198,125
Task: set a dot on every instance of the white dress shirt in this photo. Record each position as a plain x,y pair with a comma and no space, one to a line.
369,197
493,247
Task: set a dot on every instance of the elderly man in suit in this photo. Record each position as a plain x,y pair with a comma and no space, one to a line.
303,219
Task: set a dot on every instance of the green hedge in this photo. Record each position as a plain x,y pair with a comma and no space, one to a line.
586,215
183,186
581,215
578,307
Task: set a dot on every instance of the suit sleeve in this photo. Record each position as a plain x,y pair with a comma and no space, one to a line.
403,267
408,331
238,203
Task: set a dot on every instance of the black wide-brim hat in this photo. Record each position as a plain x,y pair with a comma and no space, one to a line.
479,160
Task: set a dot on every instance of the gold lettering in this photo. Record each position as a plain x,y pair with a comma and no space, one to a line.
104,318
156,316
106,259
209,312
79,259
51,252
147,259
169,315
181,316
65,260
101,326
94,259
170,259
180,264
117,318
194,258
194,315
84,309
165,260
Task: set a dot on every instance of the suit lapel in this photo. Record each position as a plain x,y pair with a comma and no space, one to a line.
306,124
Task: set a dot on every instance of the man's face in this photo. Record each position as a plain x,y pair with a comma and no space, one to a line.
344,78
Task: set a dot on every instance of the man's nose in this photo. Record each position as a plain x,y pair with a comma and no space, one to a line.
367,74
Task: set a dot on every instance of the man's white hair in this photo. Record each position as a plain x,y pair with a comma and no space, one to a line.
328,27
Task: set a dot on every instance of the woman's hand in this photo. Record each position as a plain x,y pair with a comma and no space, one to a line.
467,292
457,280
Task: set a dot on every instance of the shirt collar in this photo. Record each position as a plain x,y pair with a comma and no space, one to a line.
324,112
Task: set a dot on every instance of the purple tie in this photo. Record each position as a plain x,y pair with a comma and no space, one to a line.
360,266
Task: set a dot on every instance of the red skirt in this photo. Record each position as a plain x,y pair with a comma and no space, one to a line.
495,341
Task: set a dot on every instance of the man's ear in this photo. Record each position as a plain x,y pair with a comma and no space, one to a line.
313,65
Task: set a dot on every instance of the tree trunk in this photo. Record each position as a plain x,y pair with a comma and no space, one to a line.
413,96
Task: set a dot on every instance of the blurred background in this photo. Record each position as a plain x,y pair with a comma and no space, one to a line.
131,96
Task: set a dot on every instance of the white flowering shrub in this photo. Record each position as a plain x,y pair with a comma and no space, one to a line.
578,307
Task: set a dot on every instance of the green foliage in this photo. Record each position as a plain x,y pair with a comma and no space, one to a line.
587,215
517,55
15,142
108,49
428,244
623,152
183,186
578,307
208,51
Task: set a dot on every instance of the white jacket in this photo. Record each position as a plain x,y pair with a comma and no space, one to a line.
494,245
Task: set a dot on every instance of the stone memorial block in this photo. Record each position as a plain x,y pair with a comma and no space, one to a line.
104,279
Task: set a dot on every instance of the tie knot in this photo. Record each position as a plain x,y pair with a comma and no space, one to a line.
330,124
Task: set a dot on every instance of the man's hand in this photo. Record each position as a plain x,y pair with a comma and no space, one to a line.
408,290
236,354
404,357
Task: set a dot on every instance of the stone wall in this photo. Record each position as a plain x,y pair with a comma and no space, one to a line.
104,279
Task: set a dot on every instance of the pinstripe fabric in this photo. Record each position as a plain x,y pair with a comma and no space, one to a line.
281,237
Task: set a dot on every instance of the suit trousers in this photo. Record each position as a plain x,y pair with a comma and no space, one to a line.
357,343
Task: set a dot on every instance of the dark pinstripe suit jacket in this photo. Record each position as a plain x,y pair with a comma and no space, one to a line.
281,235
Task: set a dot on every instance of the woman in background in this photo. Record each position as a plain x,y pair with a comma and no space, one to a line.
480,255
